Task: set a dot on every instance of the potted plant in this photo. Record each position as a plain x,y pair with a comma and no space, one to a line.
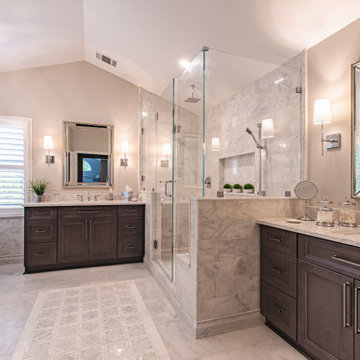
249,188
237,188
227,187
39,187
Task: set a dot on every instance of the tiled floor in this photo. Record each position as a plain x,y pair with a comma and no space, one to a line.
18,294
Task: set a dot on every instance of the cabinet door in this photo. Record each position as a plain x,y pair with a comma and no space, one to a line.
325,324
102,237
72,240
357,320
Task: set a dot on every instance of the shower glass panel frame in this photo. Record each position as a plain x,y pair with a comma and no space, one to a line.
218,96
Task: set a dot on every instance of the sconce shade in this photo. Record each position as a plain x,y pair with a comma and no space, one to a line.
215,144
322,112
267,128
166,150
48,142
124,146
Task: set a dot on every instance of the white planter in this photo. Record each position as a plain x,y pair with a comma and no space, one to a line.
227,190
237,190
248,191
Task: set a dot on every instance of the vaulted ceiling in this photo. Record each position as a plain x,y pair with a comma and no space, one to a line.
147,38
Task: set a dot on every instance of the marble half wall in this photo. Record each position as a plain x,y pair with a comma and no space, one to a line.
226,240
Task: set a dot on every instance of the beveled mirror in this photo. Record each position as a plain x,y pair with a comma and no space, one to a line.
355,130
88,155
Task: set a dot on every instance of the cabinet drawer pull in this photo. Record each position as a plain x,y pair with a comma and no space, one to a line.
86,229
130,210
346,286
40,230
88,211
278,308
90,229
131,246
130,227
40,253
357,330
345,261
277,269
276,239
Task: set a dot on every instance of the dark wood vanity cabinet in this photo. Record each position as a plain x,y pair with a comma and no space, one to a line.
316,301
86,233
64,237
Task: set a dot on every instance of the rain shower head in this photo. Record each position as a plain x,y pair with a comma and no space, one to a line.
192,99
258,145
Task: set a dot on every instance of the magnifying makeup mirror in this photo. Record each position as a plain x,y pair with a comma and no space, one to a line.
306,190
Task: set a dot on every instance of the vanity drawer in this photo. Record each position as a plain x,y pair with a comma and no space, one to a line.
41,254
279,309
41,231
130,227
41,213
338,257
130,210
279,270
131,247
87,211
280,240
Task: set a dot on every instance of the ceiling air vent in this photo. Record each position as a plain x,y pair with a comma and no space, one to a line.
106,59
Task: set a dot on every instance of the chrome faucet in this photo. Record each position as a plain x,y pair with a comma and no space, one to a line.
96,196
89,198
80,197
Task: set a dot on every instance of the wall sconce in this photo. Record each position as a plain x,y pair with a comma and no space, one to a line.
166,151
124,150
322,115
215,144
267,128
49,145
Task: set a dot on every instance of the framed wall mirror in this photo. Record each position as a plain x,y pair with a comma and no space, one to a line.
88,155
355,130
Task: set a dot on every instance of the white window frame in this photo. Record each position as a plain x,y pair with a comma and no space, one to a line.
27,124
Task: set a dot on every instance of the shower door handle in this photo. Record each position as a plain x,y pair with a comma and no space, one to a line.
166,188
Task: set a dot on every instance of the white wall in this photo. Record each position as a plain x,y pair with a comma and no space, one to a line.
72,92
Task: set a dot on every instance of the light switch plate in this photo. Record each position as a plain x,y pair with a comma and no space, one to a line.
333,144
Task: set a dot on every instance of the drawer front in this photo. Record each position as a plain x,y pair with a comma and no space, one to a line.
130,227
338,257
130,210
41,213
131,247
279,270
280,240
41,231
87,211
41,254
279,309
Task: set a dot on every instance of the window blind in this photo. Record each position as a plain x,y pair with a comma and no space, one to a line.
12,165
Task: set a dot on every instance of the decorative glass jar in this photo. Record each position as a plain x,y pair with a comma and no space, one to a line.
325,214
347,214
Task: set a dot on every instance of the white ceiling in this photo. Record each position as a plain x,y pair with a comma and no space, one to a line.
149,37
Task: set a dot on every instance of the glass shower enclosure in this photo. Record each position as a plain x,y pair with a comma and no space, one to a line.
193,138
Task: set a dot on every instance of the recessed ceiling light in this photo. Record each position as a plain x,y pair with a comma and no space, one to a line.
184,63
144,113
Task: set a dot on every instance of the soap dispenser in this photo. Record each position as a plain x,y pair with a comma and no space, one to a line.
325,214
111,195
347,214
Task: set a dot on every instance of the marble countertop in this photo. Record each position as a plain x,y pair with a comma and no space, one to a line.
348,236
82,203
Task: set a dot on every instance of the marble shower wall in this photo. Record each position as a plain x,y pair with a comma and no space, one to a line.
282,159
225,252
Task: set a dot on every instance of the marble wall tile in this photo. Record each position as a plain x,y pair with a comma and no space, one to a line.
11,239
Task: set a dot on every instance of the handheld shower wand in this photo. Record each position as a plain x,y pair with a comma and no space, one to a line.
258,145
